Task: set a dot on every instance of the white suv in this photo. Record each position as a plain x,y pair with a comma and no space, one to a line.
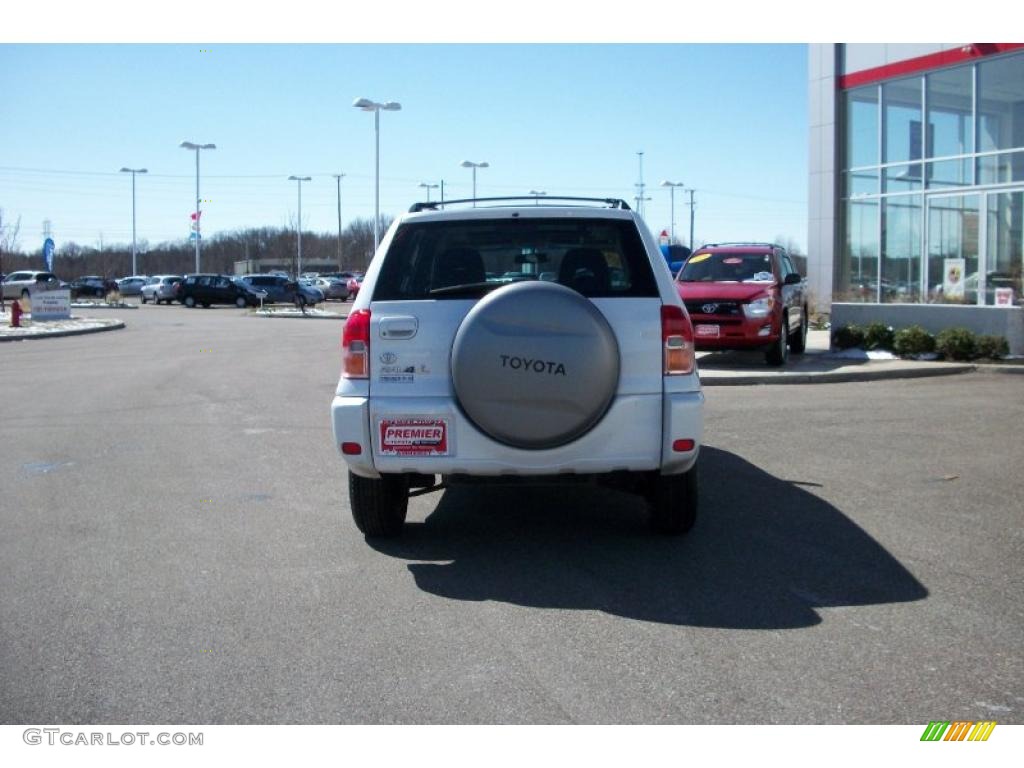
509,341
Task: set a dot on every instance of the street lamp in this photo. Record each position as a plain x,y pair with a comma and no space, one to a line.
373,106
428,187
197,147
133,171
537,194
300,179
339,177
474,166
672,190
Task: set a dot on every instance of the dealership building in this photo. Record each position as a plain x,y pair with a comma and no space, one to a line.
916,185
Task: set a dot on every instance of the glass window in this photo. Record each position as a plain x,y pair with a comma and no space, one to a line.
460,259
949,173
1001,103
856,272
861,183
902,178
787,266
902,120
728,267
953,249
862,127
901,249
950,113
1005,251
1001,169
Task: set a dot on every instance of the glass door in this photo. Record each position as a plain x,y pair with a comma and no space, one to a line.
952,237
1004,248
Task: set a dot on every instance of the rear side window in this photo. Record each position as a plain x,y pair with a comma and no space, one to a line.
456,259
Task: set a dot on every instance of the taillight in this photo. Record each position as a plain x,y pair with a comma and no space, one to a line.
355,346
677,341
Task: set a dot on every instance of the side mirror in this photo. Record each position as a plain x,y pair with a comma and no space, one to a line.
793,278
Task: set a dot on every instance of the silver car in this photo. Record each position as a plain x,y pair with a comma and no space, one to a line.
131,286
22,284
332,287
160,288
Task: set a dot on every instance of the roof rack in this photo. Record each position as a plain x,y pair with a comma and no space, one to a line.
741,243
434,205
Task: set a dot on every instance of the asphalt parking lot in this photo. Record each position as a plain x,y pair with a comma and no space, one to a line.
177,548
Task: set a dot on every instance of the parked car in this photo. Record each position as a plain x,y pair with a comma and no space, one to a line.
160,288
354,284
745,296
92,286
19,285
446,373
207,289
279,289
132,286
332,288
307,292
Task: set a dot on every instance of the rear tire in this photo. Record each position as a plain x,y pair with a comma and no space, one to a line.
798,344
189,302
673,502
240,302
778,353
379,506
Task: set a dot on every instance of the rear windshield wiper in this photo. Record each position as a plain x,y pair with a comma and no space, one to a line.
466,288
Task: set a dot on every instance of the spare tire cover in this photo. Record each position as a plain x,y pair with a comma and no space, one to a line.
535,365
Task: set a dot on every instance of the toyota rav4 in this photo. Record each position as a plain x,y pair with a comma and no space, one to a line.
510,342
745,296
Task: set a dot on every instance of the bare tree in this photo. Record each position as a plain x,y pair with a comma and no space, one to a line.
8,243
8,235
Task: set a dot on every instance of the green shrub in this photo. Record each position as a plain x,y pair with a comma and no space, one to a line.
956,344
848,337
992,347
878,336
914,340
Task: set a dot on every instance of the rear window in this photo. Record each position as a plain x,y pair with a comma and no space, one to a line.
456,259
728,268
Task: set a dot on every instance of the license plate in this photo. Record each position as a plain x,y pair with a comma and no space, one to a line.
414,437
707,331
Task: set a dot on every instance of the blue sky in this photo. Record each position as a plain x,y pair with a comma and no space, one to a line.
729,120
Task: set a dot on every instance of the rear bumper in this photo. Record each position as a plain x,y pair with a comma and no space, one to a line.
636,435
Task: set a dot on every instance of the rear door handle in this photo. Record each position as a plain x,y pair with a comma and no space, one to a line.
398,327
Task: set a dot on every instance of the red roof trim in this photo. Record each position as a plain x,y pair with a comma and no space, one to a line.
967,52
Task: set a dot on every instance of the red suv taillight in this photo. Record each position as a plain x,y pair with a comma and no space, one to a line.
677,341
355,346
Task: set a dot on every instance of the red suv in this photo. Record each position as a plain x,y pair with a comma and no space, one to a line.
745,296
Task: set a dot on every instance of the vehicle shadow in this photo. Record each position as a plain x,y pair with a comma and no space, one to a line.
764,554
742,360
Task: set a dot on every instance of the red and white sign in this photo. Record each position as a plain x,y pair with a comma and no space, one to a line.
413,437
707,331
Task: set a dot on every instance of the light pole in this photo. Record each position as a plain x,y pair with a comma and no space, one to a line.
691,191
373,106
672,190
428,187
197,147
537,194
339,177
300,179
640,187
133,171
474,166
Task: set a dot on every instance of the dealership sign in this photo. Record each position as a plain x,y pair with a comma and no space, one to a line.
51,305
